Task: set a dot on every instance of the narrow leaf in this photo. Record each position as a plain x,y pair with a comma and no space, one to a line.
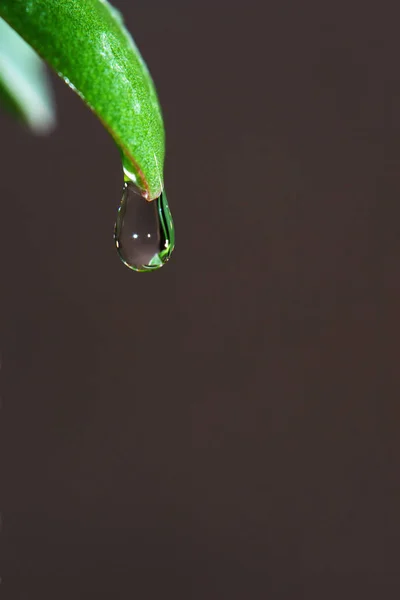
87,44
24,88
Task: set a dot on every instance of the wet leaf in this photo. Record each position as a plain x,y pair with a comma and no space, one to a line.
86,43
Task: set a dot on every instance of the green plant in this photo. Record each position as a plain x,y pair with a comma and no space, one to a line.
87,44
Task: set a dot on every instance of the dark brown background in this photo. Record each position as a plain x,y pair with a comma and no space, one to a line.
227,428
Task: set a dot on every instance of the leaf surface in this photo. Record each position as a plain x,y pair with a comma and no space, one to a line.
86,43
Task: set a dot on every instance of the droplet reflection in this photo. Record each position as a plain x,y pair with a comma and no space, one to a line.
144,231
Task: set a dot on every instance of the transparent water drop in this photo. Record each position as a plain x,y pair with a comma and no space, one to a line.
144,231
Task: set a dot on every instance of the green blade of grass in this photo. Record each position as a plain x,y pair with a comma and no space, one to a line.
86,43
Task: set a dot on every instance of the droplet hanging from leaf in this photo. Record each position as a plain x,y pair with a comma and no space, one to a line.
144,231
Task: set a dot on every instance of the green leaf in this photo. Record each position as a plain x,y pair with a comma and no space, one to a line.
24,88
87,44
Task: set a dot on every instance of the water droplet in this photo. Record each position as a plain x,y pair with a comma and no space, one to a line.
144,231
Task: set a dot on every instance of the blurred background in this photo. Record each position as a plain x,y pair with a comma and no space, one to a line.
227,427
